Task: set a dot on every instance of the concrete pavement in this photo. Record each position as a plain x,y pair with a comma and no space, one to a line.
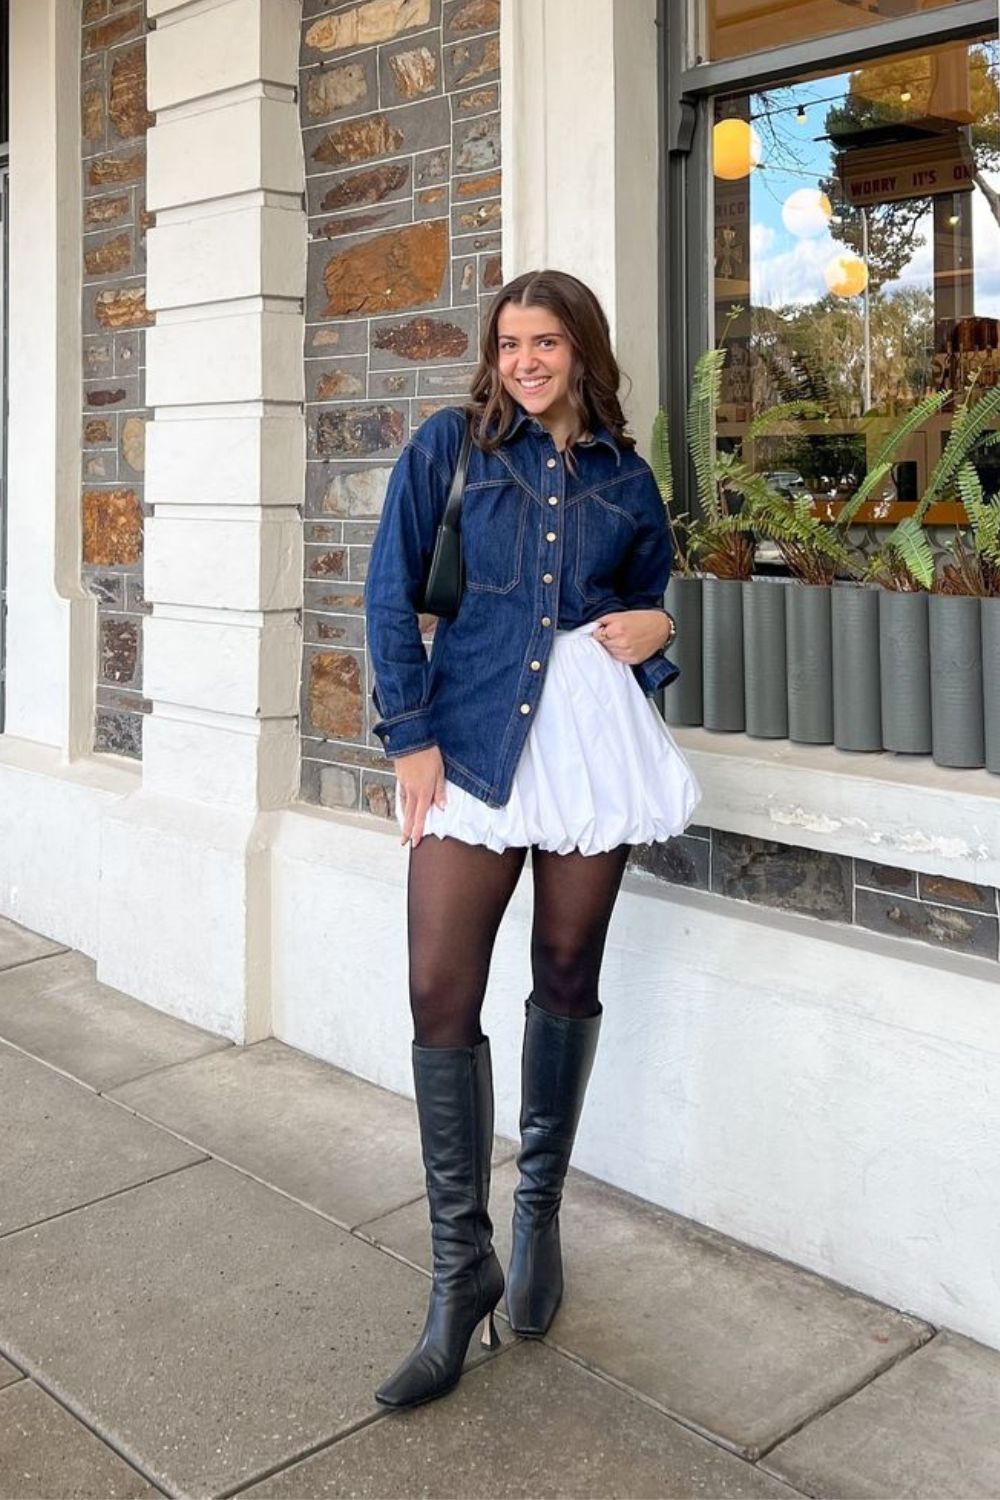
210,1255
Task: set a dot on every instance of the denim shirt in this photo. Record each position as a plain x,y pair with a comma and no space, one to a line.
543,548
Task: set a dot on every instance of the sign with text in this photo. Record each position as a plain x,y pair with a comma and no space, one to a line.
920,169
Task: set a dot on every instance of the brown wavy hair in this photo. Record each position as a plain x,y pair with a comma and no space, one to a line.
595,377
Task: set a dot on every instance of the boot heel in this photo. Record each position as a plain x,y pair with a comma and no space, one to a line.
489,1338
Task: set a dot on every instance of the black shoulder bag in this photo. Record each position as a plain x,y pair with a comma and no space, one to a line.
446,578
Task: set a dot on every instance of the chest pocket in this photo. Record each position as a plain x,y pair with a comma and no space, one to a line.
493,523
604,537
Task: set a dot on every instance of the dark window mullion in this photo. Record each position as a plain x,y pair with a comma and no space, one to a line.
844,49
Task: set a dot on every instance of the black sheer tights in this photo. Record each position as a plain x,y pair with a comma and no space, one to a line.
457,896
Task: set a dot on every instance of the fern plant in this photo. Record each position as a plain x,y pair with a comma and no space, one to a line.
974,565
905,559
809,547
678,522
731,497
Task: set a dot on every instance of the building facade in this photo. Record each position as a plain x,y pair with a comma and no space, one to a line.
252,241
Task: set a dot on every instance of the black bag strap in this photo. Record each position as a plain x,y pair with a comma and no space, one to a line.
453,510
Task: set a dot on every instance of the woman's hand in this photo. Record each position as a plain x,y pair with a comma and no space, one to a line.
632,635
421,783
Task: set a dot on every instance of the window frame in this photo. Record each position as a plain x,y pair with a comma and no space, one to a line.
688,90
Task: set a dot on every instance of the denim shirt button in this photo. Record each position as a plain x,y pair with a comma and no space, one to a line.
546,621
550,463
536,666
547,578
553,499
526,708
550,536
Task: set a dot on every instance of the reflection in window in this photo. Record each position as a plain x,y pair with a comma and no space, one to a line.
736,28
857,257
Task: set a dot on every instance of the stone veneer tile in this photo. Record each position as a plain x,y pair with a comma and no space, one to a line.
945,927
464,18
472,62
771,874
947,891
680,861
341,89
365,24
885,878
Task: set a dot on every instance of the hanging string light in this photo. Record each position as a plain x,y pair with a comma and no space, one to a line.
736,149
846,275
806,212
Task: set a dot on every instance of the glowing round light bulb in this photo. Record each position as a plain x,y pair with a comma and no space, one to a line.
736,149
846,275
806,212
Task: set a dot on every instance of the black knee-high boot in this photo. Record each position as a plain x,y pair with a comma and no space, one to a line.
555,1067
454,1087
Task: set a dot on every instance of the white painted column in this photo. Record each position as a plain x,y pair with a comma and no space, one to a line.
51,620
184,909
582,197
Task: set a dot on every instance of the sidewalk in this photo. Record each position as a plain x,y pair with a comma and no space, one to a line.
210,1255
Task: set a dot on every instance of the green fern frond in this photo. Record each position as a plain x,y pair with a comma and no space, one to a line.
660,458
885,454
785,412
702,409
909,542
972,423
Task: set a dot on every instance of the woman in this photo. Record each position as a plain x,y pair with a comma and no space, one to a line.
528,728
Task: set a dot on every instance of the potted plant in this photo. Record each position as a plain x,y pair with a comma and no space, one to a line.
973,573
905,565
814,553
882,696
721,540
682,700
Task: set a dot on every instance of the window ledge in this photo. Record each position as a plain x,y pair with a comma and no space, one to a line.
894,810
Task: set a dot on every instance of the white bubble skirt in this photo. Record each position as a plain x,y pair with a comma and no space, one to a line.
599,767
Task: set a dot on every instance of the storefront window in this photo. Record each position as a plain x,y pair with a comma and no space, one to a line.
736,28
857,252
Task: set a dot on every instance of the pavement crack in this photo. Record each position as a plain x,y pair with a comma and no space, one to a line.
132,1187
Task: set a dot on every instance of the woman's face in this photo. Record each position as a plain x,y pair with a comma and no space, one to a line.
535,362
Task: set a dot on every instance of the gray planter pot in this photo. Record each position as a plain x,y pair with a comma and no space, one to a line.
810,664
682,700
991,681
857,701
764,662
722,659
957,680
905,668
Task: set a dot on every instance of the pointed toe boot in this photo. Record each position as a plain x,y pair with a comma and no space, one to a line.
556,1063
454,1088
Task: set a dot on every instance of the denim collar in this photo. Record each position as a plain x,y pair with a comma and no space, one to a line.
600,435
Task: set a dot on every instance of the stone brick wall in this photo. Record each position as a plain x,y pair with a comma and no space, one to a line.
952,914
113,130
401,132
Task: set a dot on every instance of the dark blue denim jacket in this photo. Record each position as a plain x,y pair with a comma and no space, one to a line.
544,548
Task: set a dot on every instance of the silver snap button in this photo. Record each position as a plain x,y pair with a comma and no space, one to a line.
526,708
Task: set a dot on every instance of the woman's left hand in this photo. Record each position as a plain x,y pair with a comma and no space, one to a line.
633,635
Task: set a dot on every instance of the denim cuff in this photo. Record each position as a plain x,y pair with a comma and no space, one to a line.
403,734
655,672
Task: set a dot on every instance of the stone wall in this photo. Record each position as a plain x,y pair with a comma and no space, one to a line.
113,130
938,909
401,132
